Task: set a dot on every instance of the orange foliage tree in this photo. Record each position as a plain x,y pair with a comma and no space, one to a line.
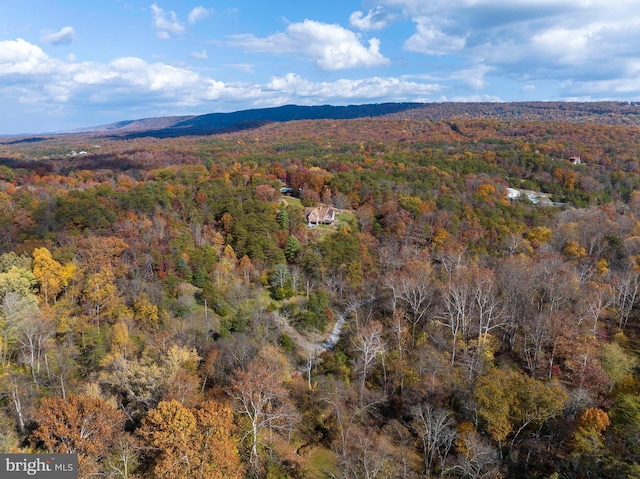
79,424
194,443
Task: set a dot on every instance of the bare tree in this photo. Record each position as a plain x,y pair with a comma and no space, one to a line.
14,310
124,459
554,291
280,275
361,306
516,283
366,458
477,458
237,351
296,276
471,311
368,342
404,442
310,360
414,291
626,286
258,395
30,330
435,428
595,301
346,412
457,300
34,334
487,315
536,335
488,309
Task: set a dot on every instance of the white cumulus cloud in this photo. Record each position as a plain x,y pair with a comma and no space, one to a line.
130,87
23,58
586,43
42,78
199,13
330,46
376,19
165,23
299,89
65,36
431,40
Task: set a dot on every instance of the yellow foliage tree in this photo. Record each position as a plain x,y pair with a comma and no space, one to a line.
602,267
440,238
217,450
17,280
539,235
100,294
509,401
120,342
145,312
226,266
485,190
218,243
169,429
51,275
194,443
574,250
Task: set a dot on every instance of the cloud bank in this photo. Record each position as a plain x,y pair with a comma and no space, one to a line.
583,40
28,76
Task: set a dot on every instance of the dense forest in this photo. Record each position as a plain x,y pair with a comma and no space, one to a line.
167,310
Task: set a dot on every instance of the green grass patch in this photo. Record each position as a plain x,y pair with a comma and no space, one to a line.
347,219
321,463
291,201
263,298
319,232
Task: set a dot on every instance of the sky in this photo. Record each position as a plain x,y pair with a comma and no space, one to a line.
67,64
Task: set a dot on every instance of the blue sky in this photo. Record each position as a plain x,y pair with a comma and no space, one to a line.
67,64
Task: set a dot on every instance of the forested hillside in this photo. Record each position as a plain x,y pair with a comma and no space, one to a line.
166,309
607,113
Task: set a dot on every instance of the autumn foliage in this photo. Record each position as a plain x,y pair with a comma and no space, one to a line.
166,310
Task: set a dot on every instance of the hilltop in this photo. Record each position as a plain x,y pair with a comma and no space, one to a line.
608,113
603,113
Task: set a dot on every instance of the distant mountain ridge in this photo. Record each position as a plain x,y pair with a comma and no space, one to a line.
611,113
212,123
143,124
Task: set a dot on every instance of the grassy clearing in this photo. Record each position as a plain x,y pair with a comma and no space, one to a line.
347,219
321,463
291,201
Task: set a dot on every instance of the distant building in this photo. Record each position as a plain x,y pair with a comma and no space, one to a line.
575,160
320,216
